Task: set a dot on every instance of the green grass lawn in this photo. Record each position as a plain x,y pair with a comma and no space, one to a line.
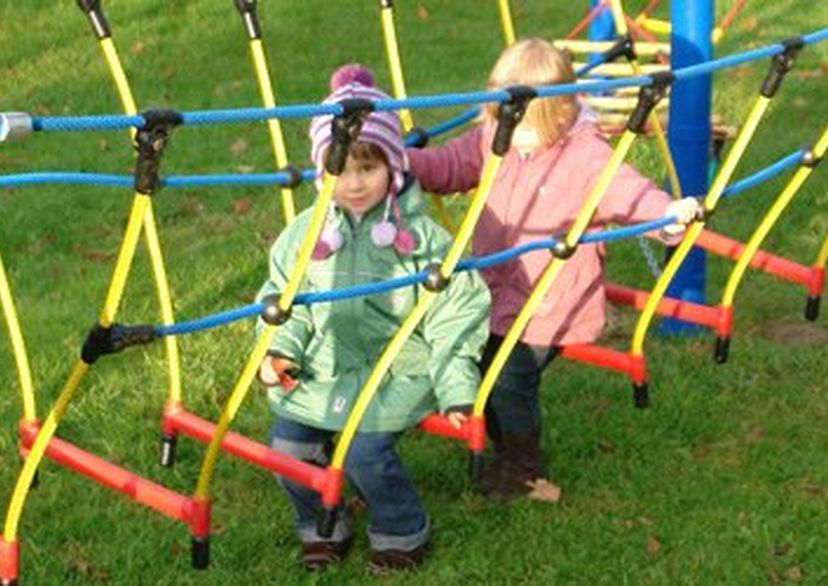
722,480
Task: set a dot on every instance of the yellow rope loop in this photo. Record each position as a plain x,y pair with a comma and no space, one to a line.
692,234
408,326
392,52
768,221
552,270
263,343
506,21
150,232
277,140
37,451
822,256
21,358
661,139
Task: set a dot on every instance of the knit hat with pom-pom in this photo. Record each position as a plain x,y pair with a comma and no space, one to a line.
383,129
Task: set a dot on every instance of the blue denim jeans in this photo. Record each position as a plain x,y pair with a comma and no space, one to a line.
372,466
514,405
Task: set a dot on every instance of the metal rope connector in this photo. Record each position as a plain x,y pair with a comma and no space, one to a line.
15,125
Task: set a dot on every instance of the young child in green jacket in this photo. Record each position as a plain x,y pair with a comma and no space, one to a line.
319,360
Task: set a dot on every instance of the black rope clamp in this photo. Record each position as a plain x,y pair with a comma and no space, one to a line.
509,115
108,340
648,97
93,11
623,47
810,159
386,3
704,213
563,250
435,281
417,137
345,129
150,141
272,313
294,179
780,65
247,10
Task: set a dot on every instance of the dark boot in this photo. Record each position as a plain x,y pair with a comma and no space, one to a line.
518,469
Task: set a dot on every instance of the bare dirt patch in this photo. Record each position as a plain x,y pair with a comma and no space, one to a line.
794,332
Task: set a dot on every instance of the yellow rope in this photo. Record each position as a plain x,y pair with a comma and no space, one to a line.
506,21
35,456
822,256
710,201
768,221
249,371
551,272
21,359
159,272
410,323
661,139
392,52
276,137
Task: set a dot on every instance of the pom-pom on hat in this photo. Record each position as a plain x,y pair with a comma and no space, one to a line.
383,129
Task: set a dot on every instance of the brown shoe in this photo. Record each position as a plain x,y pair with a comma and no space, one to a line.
387,561
518,469
317,555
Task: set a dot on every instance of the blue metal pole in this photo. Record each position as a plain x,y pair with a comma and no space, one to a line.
689,134
602,28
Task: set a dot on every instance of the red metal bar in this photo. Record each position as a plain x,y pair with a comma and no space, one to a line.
599,356
731,14
9,557
587,20
437,424
643,33
725,326
651,5
179,420
817,283
767,262
137,488
331,493
668,306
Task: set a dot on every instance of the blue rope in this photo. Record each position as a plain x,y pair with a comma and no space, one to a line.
113,122
364,289
281,178
765,174
452,123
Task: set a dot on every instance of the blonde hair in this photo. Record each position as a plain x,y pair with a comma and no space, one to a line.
536,62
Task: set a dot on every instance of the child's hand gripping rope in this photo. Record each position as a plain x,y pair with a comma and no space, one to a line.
685,210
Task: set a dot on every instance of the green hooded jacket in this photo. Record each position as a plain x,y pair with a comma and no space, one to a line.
337,344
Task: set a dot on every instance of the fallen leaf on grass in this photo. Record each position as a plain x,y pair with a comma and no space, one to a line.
606,446
137,47
794,574
238,146
93,255
88,571
754,433
653,546
243,205
748,24
422,12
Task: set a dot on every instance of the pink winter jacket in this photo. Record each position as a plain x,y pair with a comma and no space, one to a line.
535,197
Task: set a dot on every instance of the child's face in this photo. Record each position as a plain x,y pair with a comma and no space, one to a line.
362,185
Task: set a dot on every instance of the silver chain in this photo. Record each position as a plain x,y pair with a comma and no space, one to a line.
652,261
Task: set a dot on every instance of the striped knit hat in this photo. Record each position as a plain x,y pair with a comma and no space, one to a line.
382,129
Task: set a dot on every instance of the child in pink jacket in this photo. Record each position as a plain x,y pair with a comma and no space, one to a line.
556,157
